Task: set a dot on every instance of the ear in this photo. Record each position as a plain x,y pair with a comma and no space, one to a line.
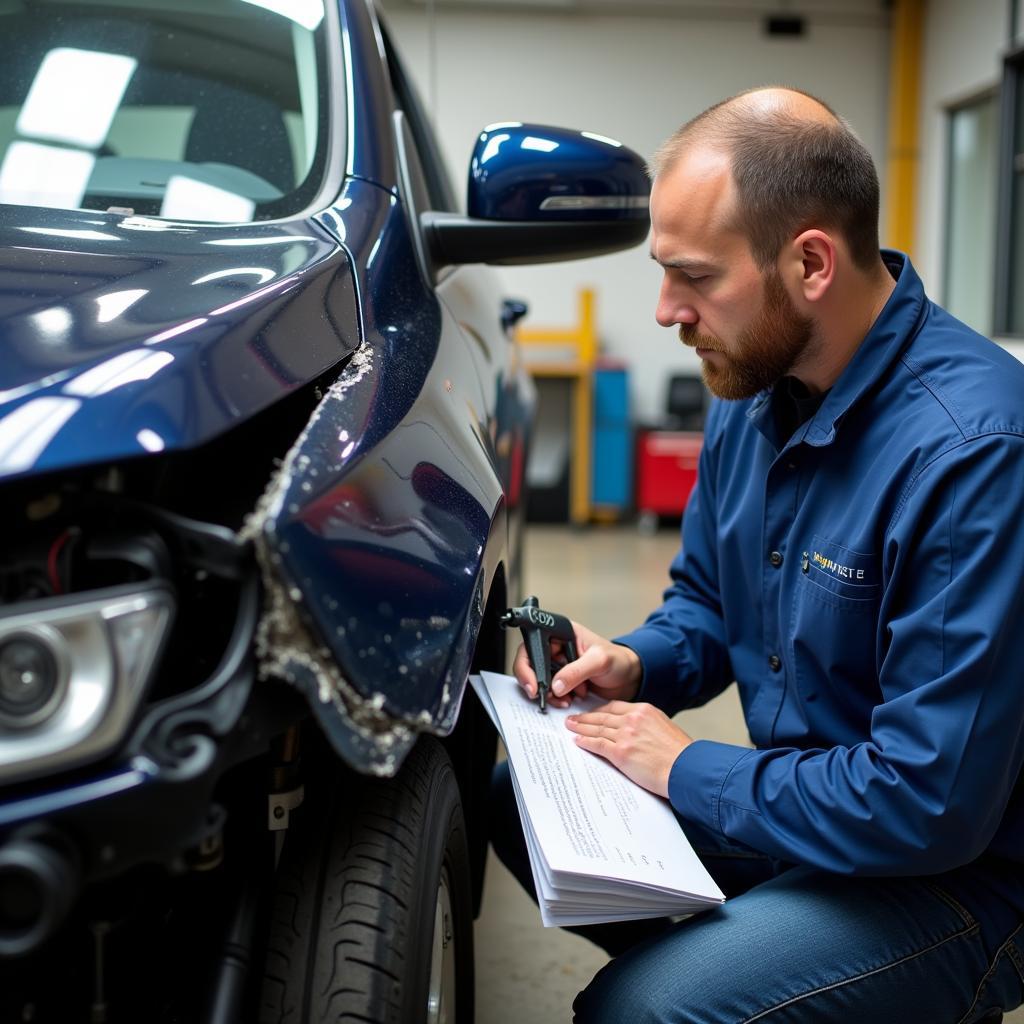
810,264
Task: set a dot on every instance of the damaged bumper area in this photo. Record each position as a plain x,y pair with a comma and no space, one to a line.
360,730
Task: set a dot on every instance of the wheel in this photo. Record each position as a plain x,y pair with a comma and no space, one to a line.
372,915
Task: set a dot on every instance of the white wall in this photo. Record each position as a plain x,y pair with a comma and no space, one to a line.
963,50
635,78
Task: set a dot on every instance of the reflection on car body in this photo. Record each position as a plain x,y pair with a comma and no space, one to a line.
262,438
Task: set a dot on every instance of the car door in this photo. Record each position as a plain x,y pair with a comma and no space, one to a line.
475,311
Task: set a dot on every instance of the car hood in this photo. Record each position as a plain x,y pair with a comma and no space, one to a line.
122,335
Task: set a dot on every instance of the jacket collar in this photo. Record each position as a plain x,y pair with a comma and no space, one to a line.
889,335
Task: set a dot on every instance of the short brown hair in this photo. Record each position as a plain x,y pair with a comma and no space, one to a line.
791,173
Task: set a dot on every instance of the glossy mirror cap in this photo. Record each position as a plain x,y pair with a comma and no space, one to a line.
530,172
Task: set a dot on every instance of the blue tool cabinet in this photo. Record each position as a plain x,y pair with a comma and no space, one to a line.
612,456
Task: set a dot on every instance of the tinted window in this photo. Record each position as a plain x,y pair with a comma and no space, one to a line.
431,164
189,109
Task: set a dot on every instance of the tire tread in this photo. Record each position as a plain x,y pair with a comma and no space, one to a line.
335,952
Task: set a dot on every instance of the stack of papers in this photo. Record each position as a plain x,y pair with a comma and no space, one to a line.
601,847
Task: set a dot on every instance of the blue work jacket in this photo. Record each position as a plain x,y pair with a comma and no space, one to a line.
863,583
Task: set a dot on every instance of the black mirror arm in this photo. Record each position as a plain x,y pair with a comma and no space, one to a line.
453,239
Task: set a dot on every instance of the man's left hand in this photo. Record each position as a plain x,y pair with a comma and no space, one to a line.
641,741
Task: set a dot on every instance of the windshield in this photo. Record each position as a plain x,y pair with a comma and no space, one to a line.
207,110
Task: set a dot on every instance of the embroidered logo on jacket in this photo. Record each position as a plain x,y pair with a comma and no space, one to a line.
851,572
843,572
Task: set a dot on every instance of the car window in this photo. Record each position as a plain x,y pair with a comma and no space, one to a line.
210,110
435,174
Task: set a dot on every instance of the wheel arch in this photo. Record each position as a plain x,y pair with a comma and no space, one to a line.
473,743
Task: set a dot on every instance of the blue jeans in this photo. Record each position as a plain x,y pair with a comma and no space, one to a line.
796,944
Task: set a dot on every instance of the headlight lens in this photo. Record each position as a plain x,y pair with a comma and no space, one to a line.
72,674
33,677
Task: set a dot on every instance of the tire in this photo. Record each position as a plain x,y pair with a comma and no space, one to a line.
372,916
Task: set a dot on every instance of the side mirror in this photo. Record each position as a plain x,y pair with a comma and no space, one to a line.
539,194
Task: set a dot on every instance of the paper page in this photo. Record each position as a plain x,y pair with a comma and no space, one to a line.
588,818
560,907
583,890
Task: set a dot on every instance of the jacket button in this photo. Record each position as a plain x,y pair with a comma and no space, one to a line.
775,558
775,663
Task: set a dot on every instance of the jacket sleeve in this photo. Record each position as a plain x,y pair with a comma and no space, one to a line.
682,645
926,791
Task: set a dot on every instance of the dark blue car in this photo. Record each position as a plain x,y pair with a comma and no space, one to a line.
262,439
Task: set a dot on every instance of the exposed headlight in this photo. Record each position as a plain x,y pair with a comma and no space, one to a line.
72,675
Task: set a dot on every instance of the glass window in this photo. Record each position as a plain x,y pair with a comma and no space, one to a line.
971,217
207,110
436,177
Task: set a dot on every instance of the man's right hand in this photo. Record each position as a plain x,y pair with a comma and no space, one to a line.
610,670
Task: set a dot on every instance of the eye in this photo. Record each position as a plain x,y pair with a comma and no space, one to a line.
695,278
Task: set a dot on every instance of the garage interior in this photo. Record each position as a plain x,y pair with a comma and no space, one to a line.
274,447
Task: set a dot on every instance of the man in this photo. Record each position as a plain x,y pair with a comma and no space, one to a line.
852,557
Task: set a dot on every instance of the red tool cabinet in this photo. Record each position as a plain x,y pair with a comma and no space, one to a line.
666,472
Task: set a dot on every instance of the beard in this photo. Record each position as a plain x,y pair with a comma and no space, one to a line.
765,351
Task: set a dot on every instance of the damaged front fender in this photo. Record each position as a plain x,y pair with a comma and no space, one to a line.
382,529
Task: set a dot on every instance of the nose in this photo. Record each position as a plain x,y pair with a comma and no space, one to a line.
674,307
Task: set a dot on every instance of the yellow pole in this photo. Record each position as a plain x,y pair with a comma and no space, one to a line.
583,411
904,111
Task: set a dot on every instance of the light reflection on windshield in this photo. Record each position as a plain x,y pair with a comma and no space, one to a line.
163,111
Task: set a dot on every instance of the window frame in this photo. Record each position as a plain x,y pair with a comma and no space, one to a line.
431,164
1007,194
950,110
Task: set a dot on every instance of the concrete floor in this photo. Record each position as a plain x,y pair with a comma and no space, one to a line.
608,578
